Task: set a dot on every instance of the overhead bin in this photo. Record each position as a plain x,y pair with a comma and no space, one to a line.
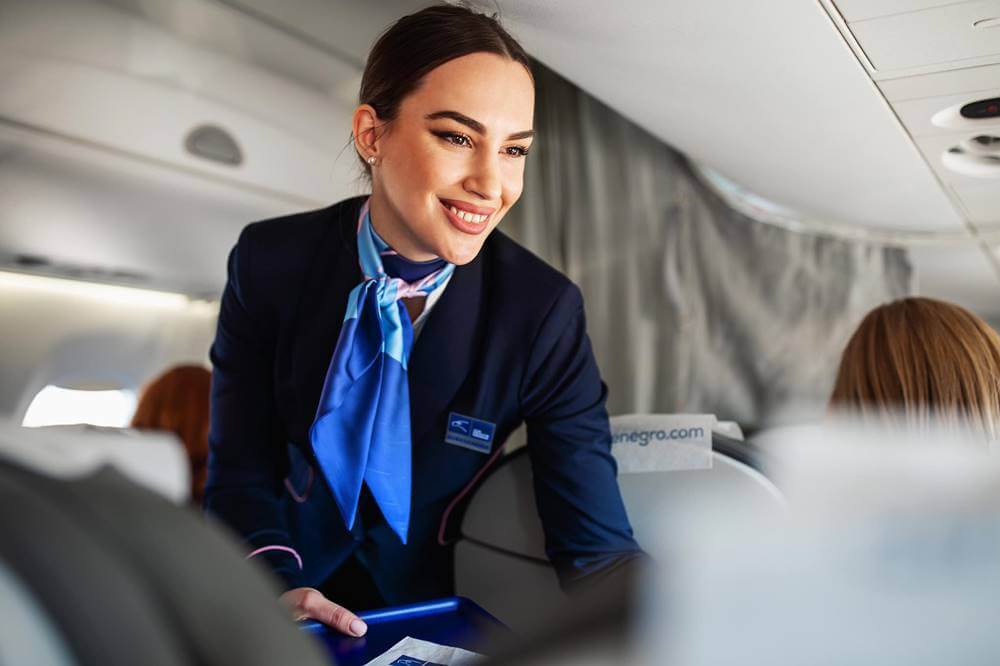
934,36
149,120
96,74
110,122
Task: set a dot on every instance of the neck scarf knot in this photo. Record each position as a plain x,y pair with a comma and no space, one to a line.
361,433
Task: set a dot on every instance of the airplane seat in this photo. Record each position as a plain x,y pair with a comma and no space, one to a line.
126,575
28,634
155,460
500,560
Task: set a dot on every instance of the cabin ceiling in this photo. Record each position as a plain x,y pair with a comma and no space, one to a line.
779,96
794,100
768,93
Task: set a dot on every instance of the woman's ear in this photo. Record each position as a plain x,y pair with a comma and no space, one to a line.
367,129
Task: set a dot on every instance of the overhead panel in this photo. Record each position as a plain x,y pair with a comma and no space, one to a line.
963,274
943,135
938,66
860,10
981,202
943,35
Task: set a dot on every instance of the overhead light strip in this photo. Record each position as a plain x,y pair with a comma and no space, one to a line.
107,293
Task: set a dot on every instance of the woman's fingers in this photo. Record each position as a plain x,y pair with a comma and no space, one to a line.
309,603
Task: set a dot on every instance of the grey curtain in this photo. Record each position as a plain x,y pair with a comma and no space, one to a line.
691,306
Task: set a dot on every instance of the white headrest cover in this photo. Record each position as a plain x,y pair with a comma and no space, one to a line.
154,460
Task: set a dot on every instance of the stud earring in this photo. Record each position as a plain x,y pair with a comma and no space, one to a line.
372,160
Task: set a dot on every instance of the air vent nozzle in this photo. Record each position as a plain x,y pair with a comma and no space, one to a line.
978,156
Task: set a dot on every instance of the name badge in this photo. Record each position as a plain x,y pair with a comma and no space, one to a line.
470,433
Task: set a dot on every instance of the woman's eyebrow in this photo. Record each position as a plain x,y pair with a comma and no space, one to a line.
475,125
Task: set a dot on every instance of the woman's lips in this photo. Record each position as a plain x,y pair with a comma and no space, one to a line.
466,227
467,207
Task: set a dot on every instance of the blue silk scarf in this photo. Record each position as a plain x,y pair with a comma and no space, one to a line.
362,428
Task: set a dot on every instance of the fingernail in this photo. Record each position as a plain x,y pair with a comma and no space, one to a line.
358,628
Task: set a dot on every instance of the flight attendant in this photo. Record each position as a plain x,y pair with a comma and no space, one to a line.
372,357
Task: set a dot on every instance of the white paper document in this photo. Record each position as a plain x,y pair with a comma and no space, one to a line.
413,652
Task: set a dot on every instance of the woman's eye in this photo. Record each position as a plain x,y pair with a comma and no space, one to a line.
516,151
455,138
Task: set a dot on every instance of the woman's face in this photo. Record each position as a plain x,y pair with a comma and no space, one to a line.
458,142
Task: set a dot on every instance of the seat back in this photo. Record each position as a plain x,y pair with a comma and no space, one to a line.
156,460
500,559
128,577
28,634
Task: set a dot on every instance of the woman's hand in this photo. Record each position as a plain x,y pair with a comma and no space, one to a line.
308,603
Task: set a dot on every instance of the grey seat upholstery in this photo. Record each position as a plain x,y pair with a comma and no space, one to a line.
128,577
28,634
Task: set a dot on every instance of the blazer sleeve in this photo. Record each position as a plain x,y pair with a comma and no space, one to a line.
587,532
247,454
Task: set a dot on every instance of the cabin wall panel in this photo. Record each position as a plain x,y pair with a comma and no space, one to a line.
52,338
691,305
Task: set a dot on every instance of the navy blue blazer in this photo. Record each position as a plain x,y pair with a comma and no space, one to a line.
506,343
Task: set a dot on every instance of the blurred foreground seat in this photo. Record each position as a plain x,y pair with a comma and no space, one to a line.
500,557
106,571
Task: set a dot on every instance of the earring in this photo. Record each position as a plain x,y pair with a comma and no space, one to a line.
372,160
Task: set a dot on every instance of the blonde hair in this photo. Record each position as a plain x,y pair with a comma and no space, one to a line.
177,401
922,360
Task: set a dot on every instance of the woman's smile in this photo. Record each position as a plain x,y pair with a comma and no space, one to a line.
466,217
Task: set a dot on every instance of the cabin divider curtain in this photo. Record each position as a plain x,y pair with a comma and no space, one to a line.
691,305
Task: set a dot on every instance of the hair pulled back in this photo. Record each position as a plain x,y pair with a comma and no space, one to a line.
417,43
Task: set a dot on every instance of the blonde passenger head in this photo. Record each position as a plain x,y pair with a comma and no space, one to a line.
922,361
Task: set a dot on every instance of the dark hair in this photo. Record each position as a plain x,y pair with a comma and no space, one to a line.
415,44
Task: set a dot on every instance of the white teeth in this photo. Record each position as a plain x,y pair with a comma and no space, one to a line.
468,217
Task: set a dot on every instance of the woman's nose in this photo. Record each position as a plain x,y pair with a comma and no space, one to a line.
485,181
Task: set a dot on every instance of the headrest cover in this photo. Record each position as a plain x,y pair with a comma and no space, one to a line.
662,442
154,460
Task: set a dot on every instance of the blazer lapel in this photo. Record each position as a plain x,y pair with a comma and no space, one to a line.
446,349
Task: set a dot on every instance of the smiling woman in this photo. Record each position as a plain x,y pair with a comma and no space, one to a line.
453,151
447,133
337,442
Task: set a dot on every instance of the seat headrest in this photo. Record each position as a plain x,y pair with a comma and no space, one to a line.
154,460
